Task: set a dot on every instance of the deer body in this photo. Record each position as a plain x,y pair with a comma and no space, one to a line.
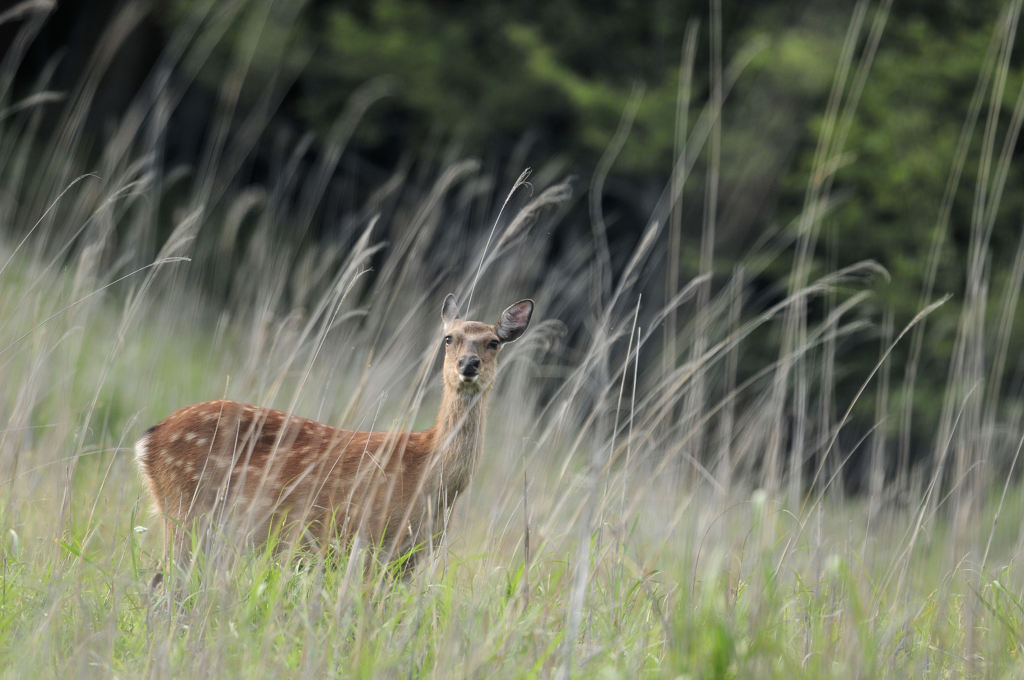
247,467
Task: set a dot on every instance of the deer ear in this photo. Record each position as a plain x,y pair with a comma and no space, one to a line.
450,309
514,320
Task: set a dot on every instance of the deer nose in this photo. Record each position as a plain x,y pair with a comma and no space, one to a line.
469,365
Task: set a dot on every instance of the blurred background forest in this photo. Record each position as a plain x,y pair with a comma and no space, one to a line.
364,102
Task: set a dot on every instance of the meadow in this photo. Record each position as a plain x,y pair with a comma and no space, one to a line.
645,506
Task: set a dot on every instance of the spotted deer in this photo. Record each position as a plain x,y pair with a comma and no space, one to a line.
234,465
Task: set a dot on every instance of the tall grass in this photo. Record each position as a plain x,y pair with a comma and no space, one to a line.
642,507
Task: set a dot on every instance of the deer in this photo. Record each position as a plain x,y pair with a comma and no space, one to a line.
254,469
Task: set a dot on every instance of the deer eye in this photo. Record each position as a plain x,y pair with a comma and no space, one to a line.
447,339
493,344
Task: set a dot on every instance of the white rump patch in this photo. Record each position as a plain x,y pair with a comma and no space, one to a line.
141,448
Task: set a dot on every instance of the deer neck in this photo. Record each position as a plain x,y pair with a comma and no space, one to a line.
459,436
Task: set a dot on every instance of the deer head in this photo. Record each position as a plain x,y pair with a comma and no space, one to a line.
471,347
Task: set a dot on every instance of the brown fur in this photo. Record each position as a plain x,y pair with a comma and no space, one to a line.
248,467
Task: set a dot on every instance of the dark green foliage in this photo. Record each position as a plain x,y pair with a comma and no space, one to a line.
547,84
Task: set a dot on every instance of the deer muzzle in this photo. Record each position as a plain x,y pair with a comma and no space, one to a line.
469,367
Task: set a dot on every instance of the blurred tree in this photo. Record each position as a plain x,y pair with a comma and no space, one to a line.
484,76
